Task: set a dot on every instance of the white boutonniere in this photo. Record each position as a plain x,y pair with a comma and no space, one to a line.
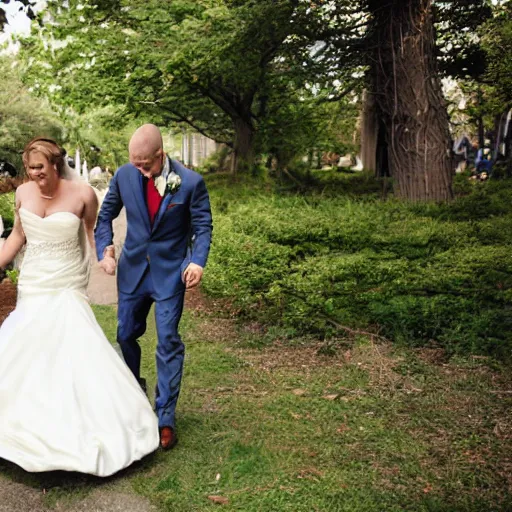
173,183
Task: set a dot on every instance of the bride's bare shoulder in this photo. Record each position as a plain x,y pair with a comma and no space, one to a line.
79,192
26,189
77,187
85,190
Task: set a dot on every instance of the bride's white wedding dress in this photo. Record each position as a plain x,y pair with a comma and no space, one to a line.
67,400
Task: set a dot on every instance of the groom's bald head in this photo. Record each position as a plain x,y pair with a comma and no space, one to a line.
145,142
146,149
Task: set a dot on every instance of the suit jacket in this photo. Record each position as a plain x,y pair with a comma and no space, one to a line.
181,232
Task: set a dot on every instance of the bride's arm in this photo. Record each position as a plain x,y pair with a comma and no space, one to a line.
90,214
15,240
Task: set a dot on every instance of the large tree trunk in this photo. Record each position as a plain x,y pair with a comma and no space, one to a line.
409,98
369,133
243,145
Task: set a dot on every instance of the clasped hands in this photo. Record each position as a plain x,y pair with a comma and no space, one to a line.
191,276
108,263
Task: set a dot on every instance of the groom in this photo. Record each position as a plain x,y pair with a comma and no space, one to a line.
166,248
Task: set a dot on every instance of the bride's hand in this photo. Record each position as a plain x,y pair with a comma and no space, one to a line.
108,264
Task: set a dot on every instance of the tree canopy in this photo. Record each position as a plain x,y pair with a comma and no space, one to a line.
22,116
497,43
257,75
226,68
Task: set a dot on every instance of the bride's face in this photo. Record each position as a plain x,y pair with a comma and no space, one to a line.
41,170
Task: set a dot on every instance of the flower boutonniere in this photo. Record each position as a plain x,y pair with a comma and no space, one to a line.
173,183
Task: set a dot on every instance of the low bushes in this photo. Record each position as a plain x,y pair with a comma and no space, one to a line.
312,263
7,209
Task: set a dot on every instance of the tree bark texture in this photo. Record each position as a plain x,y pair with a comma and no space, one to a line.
369,133
408,95
243,145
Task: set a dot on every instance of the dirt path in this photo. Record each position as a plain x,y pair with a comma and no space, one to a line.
18,497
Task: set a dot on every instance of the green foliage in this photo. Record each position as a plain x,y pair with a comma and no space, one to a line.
307,125
483,64
101,134
22,116
216,161
264,76
227,69
12,275
416,273
497,42
7,209
460,53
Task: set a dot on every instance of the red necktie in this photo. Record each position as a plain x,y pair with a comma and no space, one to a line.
153,199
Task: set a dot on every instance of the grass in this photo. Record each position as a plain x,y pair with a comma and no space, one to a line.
373,428
283,427
286,423
370,428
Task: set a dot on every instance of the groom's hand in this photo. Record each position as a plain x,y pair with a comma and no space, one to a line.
192,275
108,264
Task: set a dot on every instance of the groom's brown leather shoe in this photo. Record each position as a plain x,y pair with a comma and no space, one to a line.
168,438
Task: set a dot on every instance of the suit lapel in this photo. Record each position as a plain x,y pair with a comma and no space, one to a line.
167,197
138,193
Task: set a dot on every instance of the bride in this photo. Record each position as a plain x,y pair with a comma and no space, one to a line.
67,400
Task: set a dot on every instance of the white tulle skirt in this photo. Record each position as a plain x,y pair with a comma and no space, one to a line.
67,400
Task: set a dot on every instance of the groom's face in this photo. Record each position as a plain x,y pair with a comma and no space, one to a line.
150,165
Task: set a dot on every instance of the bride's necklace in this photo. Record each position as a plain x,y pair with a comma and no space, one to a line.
49,197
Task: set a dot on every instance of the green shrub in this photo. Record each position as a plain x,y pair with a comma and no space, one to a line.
7,209
12,275
417,273
242,267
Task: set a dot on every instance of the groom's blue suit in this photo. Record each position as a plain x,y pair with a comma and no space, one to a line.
151,265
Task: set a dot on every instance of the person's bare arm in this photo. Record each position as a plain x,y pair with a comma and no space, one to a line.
90,214
110,208
16,239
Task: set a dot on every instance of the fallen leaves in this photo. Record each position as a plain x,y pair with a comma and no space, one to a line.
221,500
342,429
310,474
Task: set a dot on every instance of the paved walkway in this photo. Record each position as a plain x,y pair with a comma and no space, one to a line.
19,497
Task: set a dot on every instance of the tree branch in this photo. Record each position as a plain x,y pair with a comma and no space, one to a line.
179,118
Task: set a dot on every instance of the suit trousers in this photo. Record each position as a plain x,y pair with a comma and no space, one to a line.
132,313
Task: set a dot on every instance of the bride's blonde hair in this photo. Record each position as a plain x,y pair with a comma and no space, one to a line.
50,149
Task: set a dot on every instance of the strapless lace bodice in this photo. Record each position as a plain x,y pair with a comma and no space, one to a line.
54,258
